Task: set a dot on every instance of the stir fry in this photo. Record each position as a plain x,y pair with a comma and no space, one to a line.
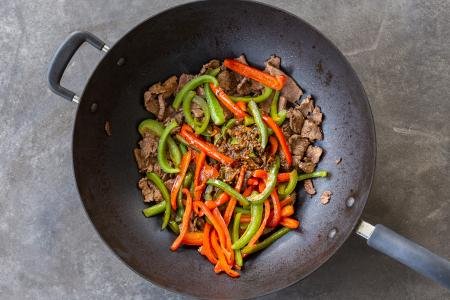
224,155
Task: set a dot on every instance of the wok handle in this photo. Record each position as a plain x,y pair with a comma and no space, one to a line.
62,58
407,252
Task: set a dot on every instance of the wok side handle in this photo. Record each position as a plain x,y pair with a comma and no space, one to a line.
407,252
62,58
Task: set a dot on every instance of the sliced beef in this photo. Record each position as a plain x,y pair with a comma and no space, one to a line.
149,191
296,119
227,81
306,106
169,183
142,163
282,101
246,86
241,58
212,64
108,128
311,131
229,173
172,114
196,111
316,115
184,78
307,167
156,96
287,131
298,145
313,154
200,91
149,145
309,187
291,90
325,197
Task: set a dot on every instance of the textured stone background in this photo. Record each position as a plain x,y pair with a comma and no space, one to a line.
48,248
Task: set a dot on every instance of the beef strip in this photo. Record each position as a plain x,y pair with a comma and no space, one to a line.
149,191
156,96
311,131
291,90
229,173
169,183
296,119
282,103
307,167
316,115
306,106
227,81
246,86
313,154
196,111
325,197
309,187
298,145
184,78
212,64
149,145
108,128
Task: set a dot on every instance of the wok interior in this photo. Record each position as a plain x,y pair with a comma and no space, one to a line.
181,40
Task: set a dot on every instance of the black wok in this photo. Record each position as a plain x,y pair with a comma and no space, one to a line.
181,40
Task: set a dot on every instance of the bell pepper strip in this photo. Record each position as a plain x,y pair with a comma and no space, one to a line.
229,254
273,145
285,190
206,147
183,149
222,199
184,165
208,171
199,163
191,85
156,128
180,207
206,245
261,228
162,145
283,177
248,191
217,114
287,211
276,216
193,238
242,106
222,264
270,184
315,174
280,116
261,186
275,82
242,211
154,209
185,223
232,203
289,223
213,72
227,102
198,191
257,99
249,121
229,190
235,237
255,222
287,201
199,127
213,220
252,181
261,174
246,218
157,181
263,136
174,227
267,242
281,138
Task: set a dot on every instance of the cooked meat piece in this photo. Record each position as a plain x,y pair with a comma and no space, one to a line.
316,115
149,191
212,64
228,173
307,167
287,131
282,101
227,81
274,61
296,119
184,78
325,197
306,106
148,145
141,161
291,90
298,145
108,128
169,183
313,154
241,58
155,103
172,114
196,224
200,91
309,187
197,112
311,131
244,87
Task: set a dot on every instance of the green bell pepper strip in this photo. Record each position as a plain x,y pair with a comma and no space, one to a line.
253,226
191,85
213,72
157,181
267,242
207,194
241,210
280,116
174,227
248,121
162,145
199,127
271,182
257,99
263,136
286,189
183,148
235,238
155,209
312,175
217,114
229,190
157,129
180,207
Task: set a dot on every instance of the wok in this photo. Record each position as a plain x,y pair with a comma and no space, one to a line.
180,40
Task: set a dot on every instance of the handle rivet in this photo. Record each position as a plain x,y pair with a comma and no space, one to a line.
94,107
350,201
332,233
121,61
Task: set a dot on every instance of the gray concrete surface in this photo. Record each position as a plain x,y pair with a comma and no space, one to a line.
48,248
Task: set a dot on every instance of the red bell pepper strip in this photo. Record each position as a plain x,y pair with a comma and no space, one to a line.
290,223
281,138
281,177
222,199
208,172
184,164
206,247
206,147
185,223
276,82
193,238
198,191
276,216
248,191
287,201
287,210
232,203
242,105
253,181
229,254
227,102
222,263
199,163
273,145
213,221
